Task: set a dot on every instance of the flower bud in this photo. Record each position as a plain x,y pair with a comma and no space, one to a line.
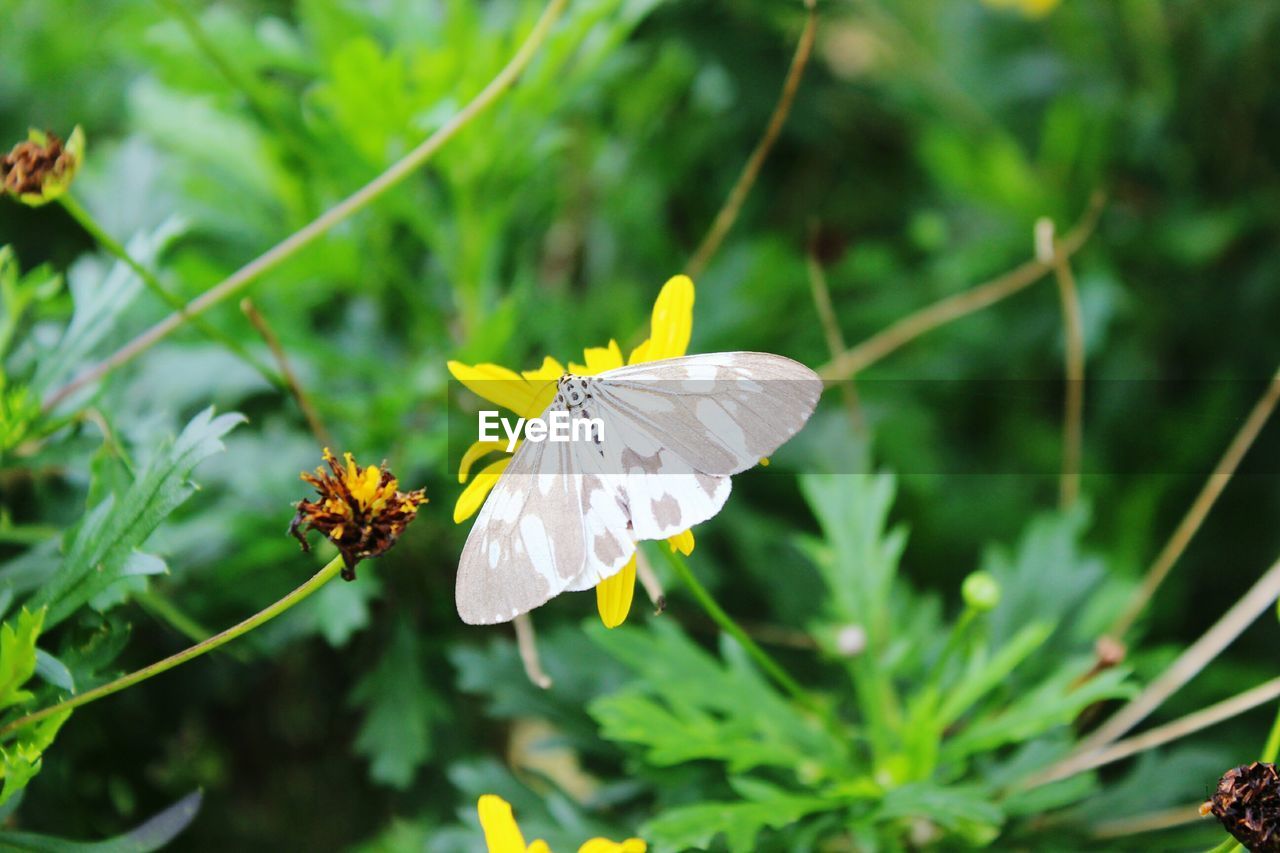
981,592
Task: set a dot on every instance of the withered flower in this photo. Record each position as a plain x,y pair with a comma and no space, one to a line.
1247,803
362,510
40,169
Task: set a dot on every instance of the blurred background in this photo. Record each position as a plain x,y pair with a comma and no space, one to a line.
925,141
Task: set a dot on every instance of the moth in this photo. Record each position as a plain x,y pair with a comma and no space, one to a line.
566,515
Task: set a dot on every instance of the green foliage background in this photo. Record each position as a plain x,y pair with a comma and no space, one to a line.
926,140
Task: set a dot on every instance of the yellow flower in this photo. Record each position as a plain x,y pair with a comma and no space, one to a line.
40,169
1029,8
502,833
528,394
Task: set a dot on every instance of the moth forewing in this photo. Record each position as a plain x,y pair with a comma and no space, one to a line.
527,543
721,412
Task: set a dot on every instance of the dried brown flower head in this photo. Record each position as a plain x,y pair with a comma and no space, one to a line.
41,168
1247,803
361,510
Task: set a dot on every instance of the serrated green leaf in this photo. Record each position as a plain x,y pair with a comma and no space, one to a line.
103,548
22,759
740,822
685,705
18,656
399,706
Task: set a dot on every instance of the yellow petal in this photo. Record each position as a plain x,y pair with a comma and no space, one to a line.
604,845
472,497
540,846
501,834
640,353
614,594
475,452
672,321
550,371
764,461
682,542
498,385
599,359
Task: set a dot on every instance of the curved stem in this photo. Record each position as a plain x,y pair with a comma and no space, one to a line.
357,201
771,667
861,356
728,213
120,253
316,581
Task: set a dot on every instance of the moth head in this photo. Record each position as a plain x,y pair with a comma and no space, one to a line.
573,390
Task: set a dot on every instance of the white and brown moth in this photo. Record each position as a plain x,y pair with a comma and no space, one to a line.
565,516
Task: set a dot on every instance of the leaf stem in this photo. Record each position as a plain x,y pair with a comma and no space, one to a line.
120,253
726,623
1048,250
343,210
316,581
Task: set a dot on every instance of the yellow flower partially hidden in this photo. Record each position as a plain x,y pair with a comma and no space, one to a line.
40,169
528,394
1028,8
502,833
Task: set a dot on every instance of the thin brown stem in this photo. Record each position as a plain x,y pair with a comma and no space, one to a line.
527,643
1074,354
321,225
831,331
652,585
728,213
861,356
1169,732
300,396
1197,656
1148,822
1200,507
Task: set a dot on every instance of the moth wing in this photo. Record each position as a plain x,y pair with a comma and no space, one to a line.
527,544
607,533
662,494
719,412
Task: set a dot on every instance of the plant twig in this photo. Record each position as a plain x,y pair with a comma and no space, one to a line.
527,643
831,331
861,356
1073,335
1200,507
1179,728
120,253
1197,656
652,585
343,210
319,579
300,396
1148,822
728,213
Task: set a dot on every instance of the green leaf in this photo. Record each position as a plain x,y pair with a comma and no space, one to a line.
18,656
858,558
399,706
22,759
100,301
102,551
685,705
739,822
154,834
965,811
